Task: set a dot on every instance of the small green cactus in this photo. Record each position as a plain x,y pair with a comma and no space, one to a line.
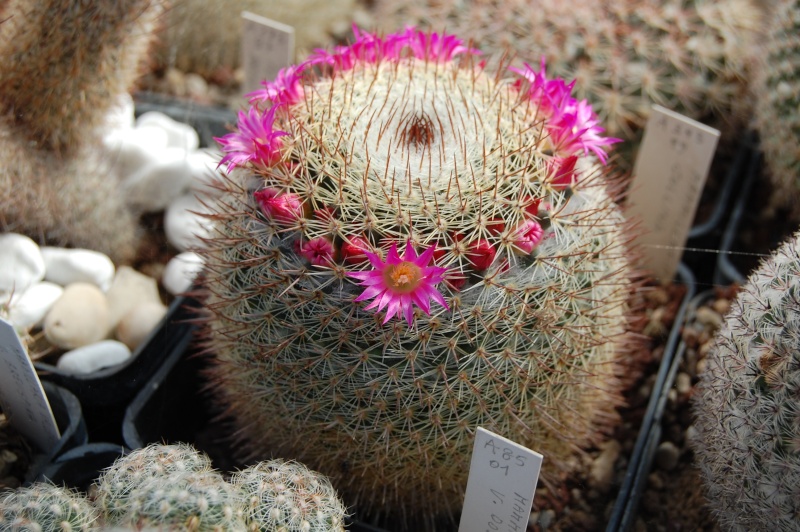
776,87
747,406
44,507
472,207
288,497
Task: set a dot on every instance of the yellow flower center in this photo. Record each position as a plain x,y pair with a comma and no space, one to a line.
403,278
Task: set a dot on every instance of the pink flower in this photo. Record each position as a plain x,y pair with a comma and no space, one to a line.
282,207
255,140
433,46
286,89
319,251
562,173
481,254
527,236
400,283
355,250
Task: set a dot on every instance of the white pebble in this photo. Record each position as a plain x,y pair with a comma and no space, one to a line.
156,185
79,317
184,224
180,272
129,289
133,149
121,115
204,170
65,266
29,309
179,135
137,324
93,357
21,264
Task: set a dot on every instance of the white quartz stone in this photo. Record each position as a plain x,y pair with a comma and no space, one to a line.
156,185
79,317
93,357
133,149
184,224
204,170
129,289
65,266
29,309
121,115
180,272
21,264
179,135
138,323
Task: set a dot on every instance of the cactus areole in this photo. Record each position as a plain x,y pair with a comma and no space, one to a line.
409,247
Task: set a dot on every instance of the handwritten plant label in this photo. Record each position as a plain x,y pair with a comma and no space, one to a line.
21,395
267,47
670,171
501,484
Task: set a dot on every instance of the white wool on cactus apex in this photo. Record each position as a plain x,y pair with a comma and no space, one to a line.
29,308
156,185
21,264
132,149
79,317
184,223
66,266
179,135
93,357
180,272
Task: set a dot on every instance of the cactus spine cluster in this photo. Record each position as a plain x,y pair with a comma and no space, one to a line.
474,208
44,507
776,87
747,408
62,67
624,55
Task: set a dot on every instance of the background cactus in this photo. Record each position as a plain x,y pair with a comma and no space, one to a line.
747,406
624,55
776,87
287,496
46,508
362,155
62,68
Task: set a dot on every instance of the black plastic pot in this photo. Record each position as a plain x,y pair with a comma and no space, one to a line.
627,502
71,424
105,394
79,467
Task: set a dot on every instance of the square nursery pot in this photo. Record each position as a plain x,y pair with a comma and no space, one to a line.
105,394
71,424
172,407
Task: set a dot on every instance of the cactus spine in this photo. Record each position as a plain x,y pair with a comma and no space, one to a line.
747,408
62,67
400,162
44,507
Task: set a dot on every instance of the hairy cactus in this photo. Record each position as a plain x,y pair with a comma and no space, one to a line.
624,55
776,87
288,497
747,408
471,207
44,507
63,65
168,487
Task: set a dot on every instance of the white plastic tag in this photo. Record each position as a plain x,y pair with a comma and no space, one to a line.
501,485
21,395
267,47
670,171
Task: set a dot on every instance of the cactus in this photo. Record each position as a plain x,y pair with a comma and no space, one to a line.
473,209
624,55
776,87
168,487
747,404
44,507
287,496
62,68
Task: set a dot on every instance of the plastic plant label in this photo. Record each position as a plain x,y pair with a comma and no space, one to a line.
670,171
267,47
502,482
21,395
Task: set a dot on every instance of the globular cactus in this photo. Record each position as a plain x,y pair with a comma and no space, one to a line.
747,405
624,55
776,88
286,496
63,66
399,170
44,507
168,487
